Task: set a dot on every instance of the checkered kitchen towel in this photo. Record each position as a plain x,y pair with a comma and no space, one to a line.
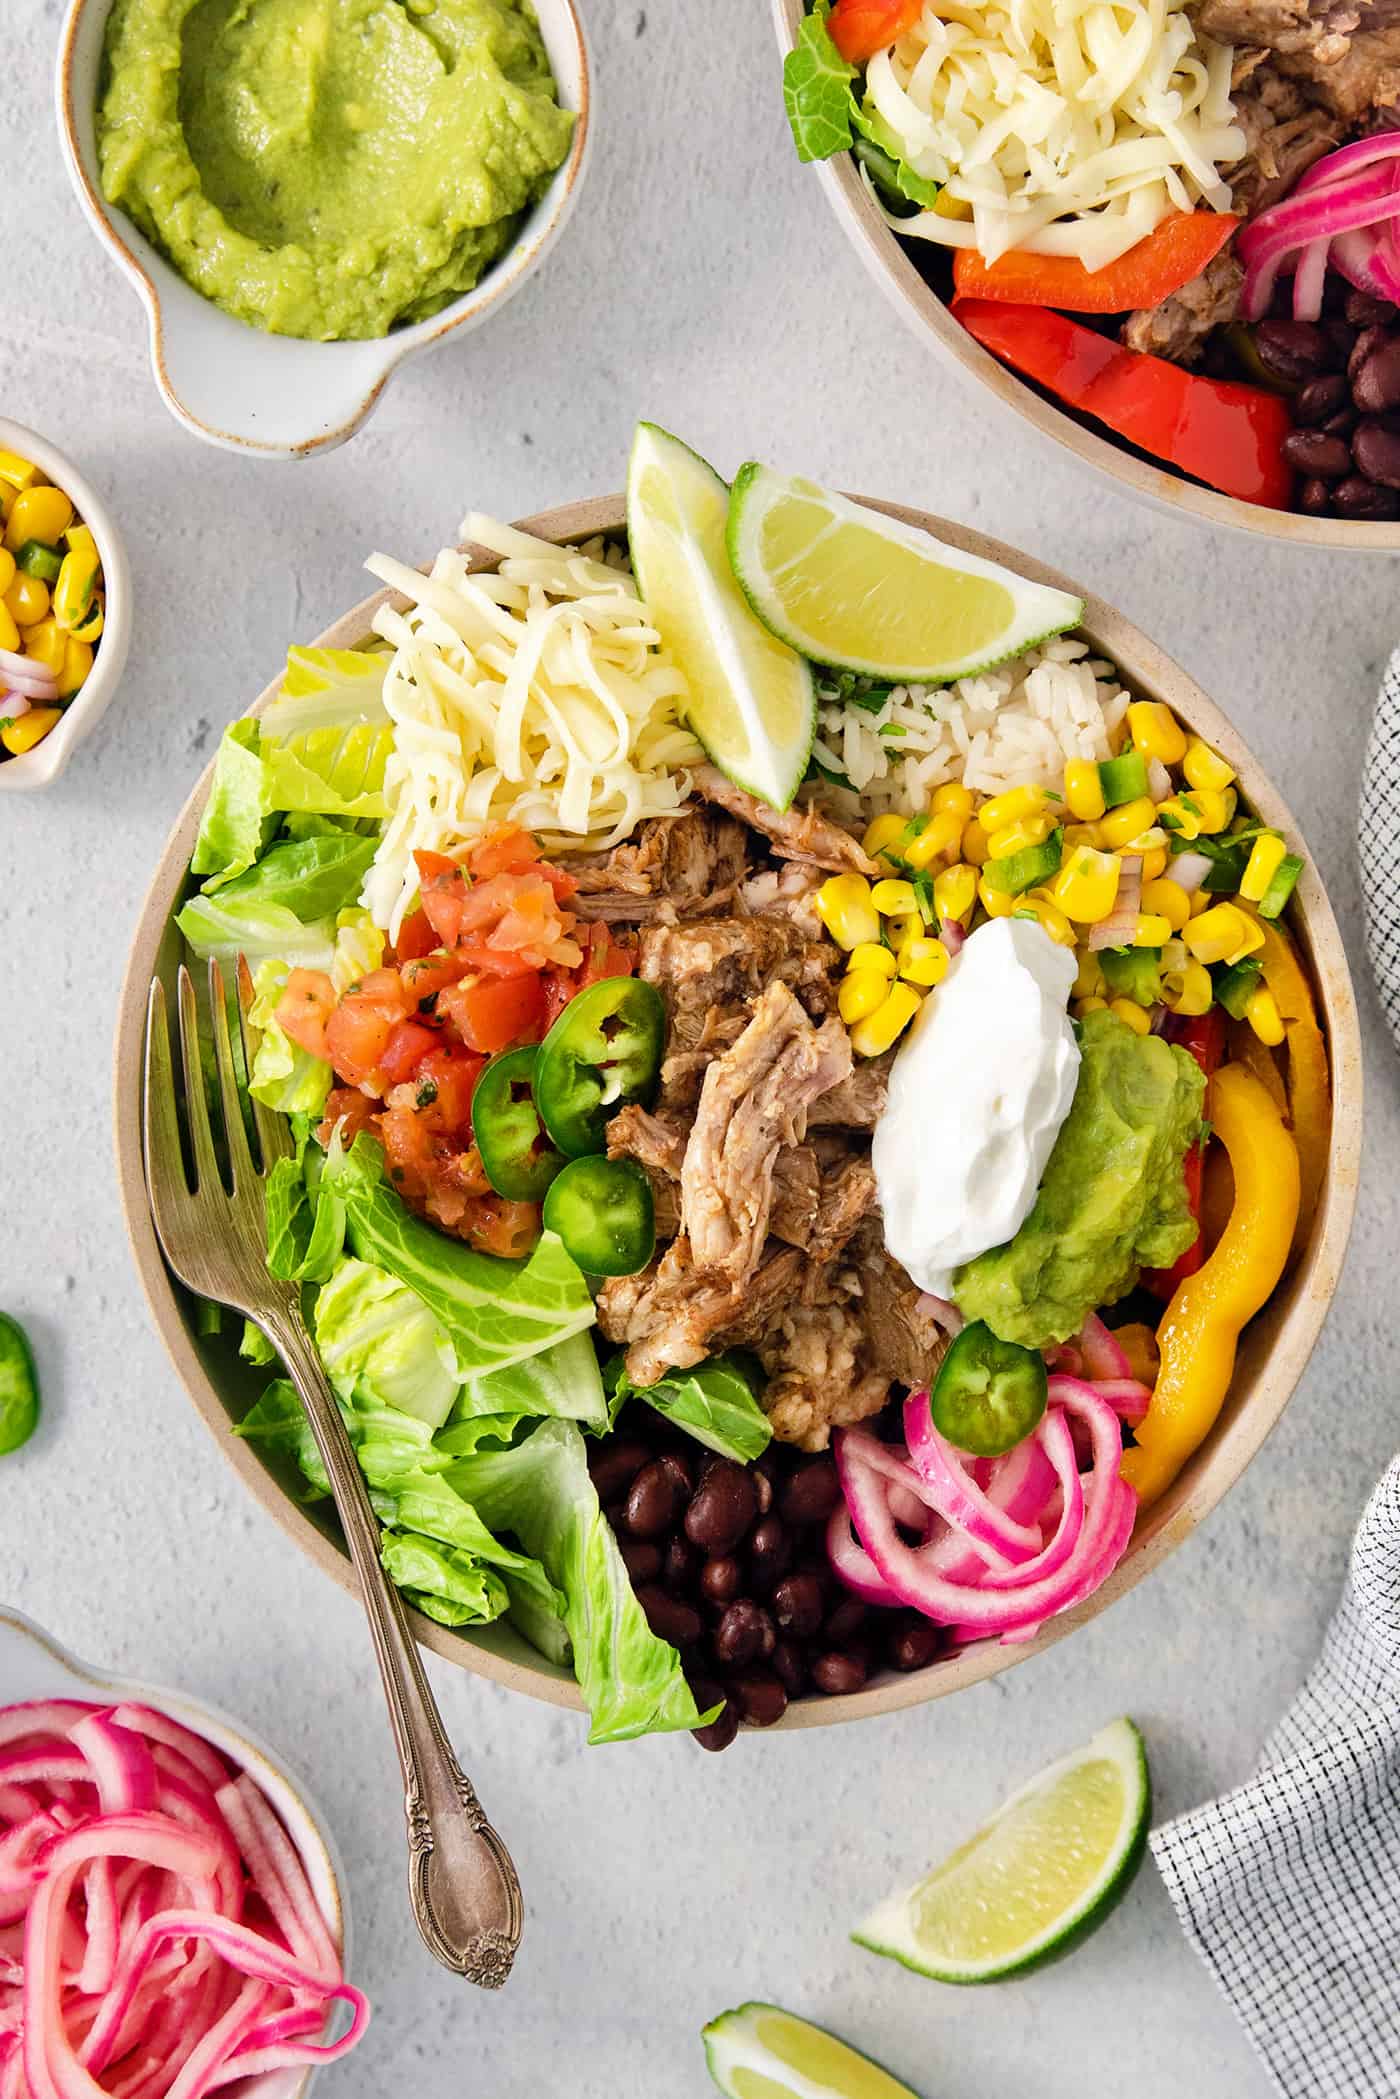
1289,1887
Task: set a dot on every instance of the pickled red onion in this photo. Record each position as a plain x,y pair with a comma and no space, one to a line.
1343,211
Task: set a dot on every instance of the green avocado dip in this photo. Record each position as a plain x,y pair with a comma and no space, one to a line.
1113,1197
328,168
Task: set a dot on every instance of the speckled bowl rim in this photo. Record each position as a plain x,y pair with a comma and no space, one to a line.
1275,1348
889,263
502,280
306,1825
43,765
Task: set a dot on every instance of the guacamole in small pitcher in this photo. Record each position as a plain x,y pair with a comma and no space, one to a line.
328,168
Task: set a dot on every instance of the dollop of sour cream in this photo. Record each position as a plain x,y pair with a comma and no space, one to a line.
977,1096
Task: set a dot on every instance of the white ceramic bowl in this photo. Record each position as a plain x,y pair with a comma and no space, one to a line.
239,386
37,768
33,1665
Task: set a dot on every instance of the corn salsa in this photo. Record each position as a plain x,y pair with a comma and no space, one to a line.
52,605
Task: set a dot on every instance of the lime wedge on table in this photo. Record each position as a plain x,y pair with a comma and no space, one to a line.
752,702
759,2052
1041,1875
851,587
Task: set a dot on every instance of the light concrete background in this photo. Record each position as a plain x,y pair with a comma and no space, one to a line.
702,283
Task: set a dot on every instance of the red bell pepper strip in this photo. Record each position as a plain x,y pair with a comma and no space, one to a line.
1225,434
860,28
1171,255
1203,1036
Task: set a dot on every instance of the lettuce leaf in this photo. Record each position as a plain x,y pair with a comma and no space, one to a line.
284,1076
237,821
375,1334
284,907
277,1420
714,1402
442,1583
818,87
564,1380
540,1492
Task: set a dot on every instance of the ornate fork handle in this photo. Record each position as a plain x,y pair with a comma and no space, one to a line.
461,1883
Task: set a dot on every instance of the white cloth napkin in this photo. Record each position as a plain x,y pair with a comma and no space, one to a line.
1289,1887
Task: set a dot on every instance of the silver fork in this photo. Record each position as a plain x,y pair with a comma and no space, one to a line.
462,1886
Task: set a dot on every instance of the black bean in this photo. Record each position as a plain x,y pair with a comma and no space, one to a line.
722,1508
812,1492
838,1673
651,1504
1342,423
1292,350
641,1558
760,1696
1363,500
1376,451
1319,399
787,1663
721,1579
743,1633
912,1642
670,1618
1372,338
846,1620
770,1553
615,1465
681,1471
722,1730
682,1564
1315,498
1376,384
1364,309
798,1603
1314,453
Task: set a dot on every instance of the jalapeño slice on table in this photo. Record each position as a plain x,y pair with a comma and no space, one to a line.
603,1050
19,1387
519,1159
989,1393
602,1210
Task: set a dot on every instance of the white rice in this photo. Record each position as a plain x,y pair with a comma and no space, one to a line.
1012,725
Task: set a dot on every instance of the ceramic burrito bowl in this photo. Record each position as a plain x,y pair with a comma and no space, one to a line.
251,391
916,293
1273,1352
34,1666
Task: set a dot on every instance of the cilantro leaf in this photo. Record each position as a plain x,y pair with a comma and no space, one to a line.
817,84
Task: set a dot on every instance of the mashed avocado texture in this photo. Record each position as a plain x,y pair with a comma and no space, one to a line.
1113,1197
328,168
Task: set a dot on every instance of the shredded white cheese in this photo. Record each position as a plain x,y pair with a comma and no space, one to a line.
537,695
1065,127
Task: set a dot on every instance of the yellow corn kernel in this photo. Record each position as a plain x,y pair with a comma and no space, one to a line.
31,728
1086,887
1261,1011
847,912
1132,1014
903,927
955,892
870,1038
73,588
1151,930
1201,901
882,833
1015,838
861,992
38,513
1252,940
8,570
77,662
997,903
79,540
9,632
941,834
27,601
1156,732
1154,863
94,620
1181,815
1084,834
1088,980
1011,807
946,206
1126,822
870,955
1083,790
1204,766
924,961
1168,900
953,795
1187,989
46,643
894,899
1089,1005
1041,906
1215,935
17,472
1265,858
1214,807
974,844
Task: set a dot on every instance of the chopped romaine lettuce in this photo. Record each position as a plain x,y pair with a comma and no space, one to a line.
714,1402
818,88
237,821
564,1380
277,1420
284,1076
441,1582
376,1334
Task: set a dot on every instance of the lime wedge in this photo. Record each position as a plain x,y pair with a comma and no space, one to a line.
1037,1878
851,587
760,2052
752,702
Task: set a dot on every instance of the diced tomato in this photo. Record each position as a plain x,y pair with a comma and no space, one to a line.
603,956
505,850
405,1050
306,1004
565,886
451,1075
444,893
358,1031
496,1226
348,1107
425,979
475,955
491,1013
416,938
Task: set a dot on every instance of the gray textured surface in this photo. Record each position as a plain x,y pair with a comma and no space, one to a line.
702,283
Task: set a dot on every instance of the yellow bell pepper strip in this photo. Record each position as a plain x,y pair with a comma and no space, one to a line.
1309,1094
1203,1322
1247,1049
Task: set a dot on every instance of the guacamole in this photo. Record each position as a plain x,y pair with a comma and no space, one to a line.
1113,1197
328,168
